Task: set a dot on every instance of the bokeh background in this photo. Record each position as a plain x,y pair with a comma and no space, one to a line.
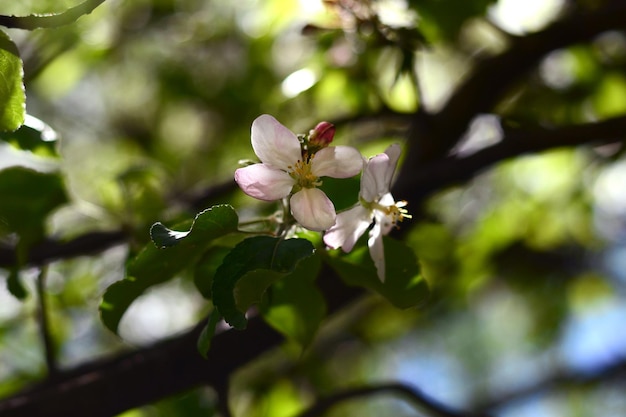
153,101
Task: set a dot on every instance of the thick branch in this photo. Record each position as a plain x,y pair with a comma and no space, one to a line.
453,170
50,20
432,137
107,387
51,250
111,386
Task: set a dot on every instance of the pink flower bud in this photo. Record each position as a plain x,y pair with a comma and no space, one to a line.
321,135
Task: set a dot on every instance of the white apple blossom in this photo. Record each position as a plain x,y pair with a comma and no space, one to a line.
286,170
376,205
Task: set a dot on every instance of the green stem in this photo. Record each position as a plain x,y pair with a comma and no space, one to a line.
268,226
288,220
44,326
255,221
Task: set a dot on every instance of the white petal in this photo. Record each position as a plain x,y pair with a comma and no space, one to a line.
373,184
264,182
337,162
313,209
273,143
348,228
384,220
386,200
393,152
377,250
378,173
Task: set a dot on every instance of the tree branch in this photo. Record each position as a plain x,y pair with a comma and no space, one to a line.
453,169
433,136
106,387
413,395
51,250
67,17
94,242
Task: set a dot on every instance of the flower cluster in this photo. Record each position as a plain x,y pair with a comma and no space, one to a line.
292,168
376,206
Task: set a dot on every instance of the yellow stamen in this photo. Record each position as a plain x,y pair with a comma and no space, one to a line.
397,212
301,172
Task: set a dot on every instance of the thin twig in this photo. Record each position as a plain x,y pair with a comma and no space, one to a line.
44,325
67,17
413,395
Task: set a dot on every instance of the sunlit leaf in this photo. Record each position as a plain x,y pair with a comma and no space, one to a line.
155,265
267,259
34,135
12,96
294,306
404,287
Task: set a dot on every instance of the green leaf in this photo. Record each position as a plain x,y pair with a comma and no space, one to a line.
294,306
28,197
12,96
204,340
163,237
216,221
155,265
344,192
35,136
258,262
15,285
206,268
404,287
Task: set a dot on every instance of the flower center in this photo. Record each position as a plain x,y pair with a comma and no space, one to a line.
396,212
301,172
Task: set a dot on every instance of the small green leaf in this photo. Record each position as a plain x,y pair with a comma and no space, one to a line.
163,237
266,259
294,306
404,287
154,265
12,96
27,198
218,220
15,285
204,340
35,136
